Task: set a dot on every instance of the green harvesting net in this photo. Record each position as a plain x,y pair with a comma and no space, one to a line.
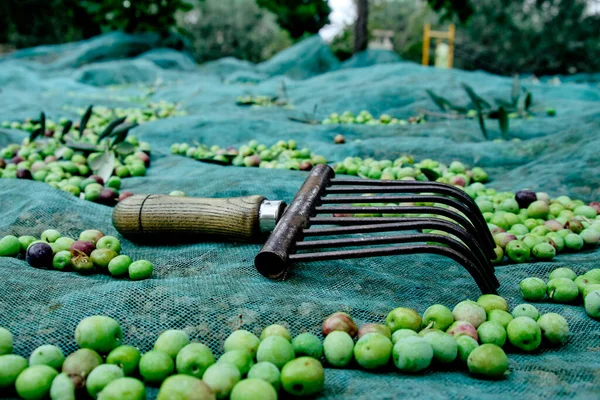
209,289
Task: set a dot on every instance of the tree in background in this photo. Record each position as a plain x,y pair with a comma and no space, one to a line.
299,17
361,29
501,36
447,9
135,15
453,9
542,37
25,23
237,28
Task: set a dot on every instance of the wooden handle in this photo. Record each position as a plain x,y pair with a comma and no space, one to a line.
147,216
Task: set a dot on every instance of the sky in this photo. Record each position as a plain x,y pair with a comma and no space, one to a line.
342,13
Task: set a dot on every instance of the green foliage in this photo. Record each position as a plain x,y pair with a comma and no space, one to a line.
135,15
541,37
502,36
449,9
405,17
237,28
26,23
517,106
299,17
343,44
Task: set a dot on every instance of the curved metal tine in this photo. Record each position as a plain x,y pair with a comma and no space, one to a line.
392,239
462,221
401,224
485,285
386,186
462,207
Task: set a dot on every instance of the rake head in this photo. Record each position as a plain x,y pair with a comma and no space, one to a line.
309,230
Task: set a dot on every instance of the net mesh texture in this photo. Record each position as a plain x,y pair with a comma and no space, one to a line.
210,289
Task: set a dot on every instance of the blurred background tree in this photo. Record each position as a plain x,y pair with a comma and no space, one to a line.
299,17
135,15
541,37
25,23
237,28
501,36
401,16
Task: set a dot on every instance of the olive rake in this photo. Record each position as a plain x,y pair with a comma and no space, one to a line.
321,223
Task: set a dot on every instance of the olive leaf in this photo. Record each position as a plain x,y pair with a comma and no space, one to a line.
67,127
304,120
477,100
528,100
43,121
39,131
35,134
104,165
503,121
494,114
80,146
85,119
213,161
516,91
482,124
60,152
120,134
442,103
111,127
124,148
431,174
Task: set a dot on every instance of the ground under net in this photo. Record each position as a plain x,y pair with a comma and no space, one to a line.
211,288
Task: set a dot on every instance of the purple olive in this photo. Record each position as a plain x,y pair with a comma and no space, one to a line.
17,159
458,180
23,173
144,157
305,166
554,225
39,255
97,179
339,139
49,133
108,197
525,197
37,166
596,206
503,238
82,246
2,163
124,195
497,229
252,161
339,321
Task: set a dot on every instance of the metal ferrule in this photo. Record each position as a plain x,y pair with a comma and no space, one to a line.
269,213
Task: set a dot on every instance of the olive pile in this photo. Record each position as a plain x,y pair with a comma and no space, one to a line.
366,118
93,252
282,155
